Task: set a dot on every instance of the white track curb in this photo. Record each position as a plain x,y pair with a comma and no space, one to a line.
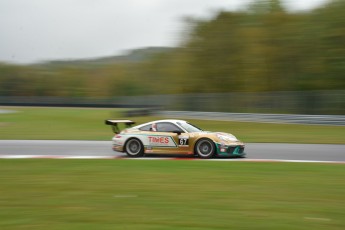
162,158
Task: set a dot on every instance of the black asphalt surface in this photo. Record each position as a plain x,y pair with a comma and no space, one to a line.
261,151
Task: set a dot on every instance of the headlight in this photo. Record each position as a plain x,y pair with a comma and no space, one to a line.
227,137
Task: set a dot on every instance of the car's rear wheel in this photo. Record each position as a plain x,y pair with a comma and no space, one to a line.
134,148
205,148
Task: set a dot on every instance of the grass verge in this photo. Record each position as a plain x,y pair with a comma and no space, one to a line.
88,124
131,194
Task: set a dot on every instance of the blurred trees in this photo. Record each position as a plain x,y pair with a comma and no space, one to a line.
269,49
264,48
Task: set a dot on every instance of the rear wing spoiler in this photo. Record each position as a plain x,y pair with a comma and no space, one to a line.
114,124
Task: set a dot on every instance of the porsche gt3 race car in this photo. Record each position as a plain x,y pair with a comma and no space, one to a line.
173,137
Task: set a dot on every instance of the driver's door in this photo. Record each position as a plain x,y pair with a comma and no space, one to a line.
169,139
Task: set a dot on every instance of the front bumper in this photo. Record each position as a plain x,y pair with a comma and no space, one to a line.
230,150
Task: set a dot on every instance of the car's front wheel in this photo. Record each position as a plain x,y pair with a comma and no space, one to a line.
134,148
205,148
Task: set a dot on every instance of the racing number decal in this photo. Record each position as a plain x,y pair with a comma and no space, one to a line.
184,141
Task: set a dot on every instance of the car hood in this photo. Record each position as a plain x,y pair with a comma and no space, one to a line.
220,137
226,136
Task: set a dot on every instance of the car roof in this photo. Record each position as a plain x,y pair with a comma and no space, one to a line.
169,120
164,120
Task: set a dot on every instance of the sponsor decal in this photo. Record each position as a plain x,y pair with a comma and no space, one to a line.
160,140
164,141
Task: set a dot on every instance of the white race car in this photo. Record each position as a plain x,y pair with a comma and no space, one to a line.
173,137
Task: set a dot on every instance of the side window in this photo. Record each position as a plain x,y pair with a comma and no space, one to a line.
167,127
145,128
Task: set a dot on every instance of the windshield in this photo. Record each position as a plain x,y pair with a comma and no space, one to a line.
189,127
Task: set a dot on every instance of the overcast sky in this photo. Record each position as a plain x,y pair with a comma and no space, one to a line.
40,30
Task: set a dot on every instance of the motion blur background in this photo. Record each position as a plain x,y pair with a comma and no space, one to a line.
259,57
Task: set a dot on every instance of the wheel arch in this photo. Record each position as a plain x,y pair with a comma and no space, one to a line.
200,138
204,138
133,138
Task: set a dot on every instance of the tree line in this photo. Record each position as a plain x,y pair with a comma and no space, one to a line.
260,49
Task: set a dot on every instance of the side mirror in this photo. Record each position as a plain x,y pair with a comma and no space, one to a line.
178,132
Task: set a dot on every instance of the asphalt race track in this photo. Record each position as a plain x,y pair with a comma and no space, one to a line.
102,149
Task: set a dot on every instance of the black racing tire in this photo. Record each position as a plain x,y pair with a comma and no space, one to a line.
134,148
205,148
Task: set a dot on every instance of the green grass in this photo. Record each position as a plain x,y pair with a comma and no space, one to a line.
88,124
133,194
